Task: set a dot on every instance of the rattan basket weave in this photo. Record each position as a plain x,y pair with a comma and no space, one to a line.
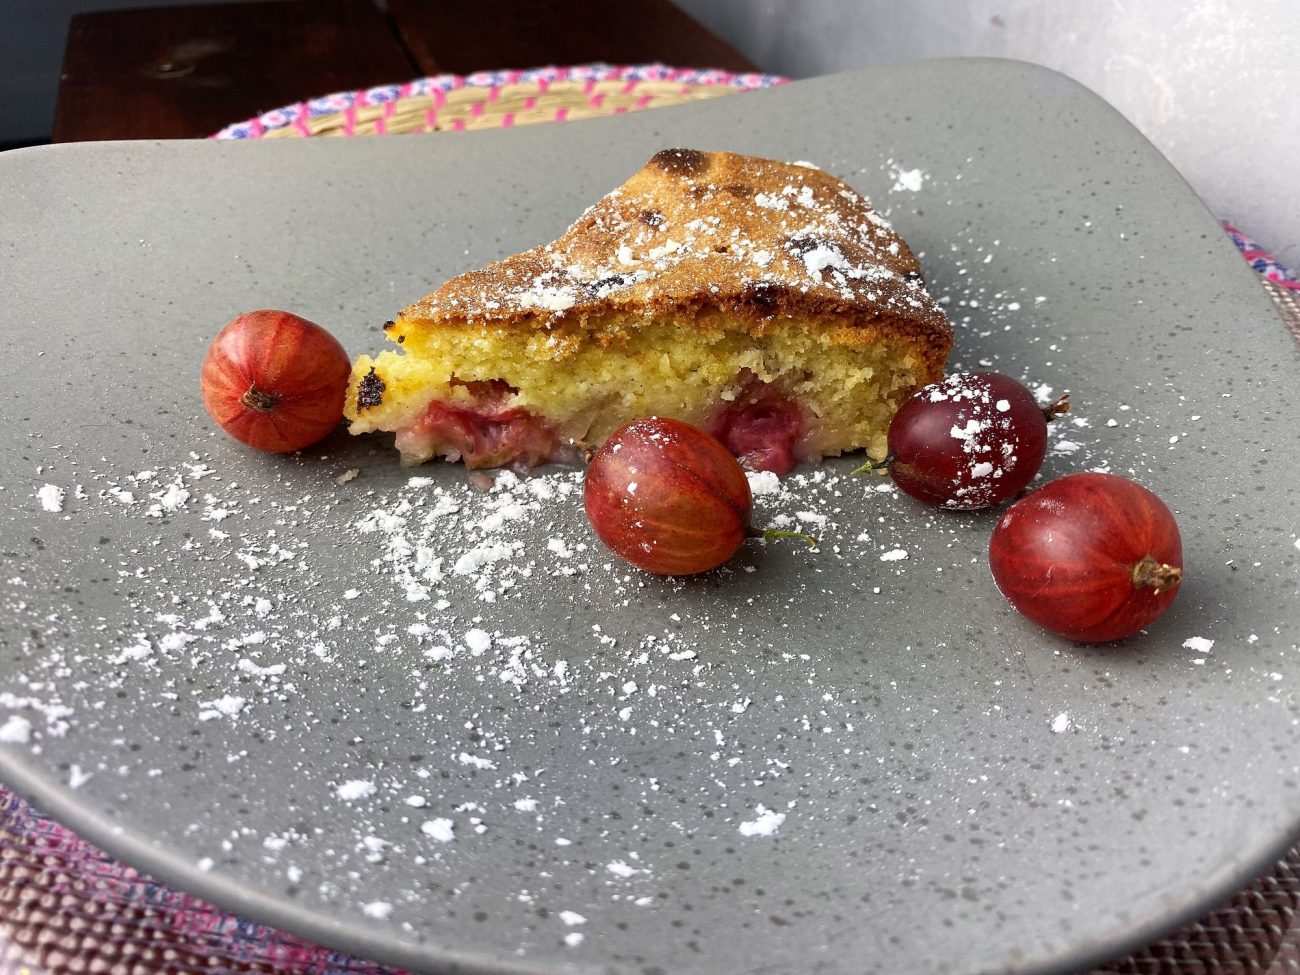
517,104
495,99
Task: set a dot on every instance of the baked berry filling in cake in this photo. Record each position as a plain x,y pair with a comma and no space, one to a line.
763,427
483,432
511,438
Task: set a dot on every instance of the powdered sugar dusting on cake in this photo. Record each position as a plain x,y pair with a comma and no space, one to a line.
546,297
724,225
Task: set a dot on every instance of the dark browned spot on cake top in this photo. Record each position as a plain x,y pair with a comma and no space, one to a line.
681,162
799,246
763,295
601,285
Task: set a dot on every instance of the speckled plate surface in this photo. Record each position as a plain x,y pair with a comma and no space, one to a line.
260,683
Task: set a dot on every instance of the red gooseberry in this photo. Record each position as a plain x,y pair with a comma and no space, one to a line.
971,440
275,381
667,497
1092,557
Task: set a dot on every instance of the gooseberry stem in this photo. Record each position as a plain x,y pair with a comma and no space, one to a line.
776,534
870,465
1056,407
256,399
1150,573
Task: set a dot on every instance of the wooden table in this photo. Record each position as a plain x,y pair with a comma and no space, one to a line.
184,72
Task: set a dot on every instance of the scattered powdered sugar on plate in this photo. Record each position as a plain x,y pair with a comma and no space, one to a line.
766,823
51,497
226,706
354,789
436,674
907,180
620,869
16,730
426,592
442,830
763,483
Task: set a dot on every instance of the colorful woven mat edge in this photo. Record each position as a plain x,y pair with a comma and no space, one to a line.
299,115
1262,261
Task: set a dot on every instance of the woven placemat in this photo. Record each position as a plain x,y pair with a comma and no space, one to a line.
1288,304
67,907
496,99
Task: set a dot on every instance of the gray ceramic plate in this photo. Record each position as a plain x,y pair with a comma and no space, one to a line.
260,684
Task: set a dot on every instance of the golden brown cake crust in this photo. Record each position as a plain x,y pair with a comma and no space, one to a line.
695,233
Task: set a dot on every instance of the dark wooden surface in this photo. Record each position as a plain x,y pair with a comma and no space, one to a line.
185,72
173,72
456,37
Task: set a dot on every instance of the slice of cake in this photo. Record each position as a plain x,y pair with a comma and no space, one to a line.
764,301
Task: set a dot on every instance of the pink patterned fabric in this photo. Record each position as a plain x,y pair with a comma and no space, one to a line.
1262,261
79,884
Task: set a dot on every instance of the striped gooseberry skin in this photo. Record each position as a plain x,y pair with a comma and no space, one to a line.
667,497
1092,557
275,381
